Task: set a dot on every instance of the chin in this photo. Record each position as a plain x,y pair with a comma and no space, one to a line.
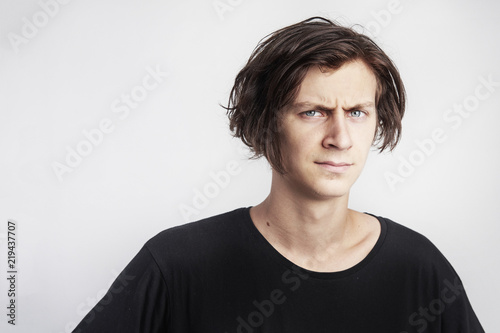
331,190
319,187
331,195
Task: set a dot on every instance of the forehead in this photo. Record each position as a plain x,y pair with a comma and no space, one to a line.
352,83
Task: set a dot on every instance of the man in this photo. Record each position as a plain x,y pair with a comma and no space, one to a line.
313,99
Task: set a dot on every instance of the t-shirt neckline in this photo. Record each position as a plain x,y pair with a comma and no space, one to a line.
264,244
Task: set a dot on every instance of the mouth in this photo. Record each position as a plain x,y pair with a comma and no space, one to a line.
335,167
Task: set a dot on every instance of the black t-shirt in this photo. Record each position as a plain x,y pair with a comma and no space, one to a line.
221,275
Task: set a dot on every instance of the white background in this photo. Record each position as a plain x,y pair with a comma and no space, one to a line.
77,232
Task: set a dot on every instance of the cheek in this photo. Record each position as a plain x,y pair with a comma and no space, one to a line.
375,128
365,140
370,132
297,150
370,136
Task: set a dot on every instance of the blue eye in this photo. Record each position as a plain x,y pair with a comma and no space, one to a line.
356,114
311,113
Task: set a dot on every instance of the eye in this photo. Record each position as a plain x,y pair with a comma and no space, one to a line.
312,113
356,113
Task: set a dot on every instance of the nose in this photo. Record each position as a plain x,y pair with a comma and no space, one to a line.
337,134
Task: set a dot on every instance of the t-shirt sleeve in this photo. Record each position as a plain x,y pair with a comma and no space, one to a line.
454,305
445,308
436,300
136,302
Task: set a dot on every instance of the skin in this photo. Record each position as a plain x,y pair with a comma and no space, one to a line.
306,216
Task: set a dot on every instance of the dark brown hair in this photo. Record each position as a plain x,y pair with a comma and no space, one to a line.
272,76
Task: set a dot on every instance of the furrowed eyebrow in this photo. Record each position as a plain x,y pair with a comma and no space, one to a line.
310,106
319,107
362,106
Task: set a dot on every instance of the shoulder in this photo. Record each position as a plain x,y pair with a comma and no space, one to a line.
222,224
411,249
198,240
406,239
412,262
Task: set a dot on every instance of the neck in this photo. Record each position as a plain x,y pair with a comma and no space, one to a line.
298,224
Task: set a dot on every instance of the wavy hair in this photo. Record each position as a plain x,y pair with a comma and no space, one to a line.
272,76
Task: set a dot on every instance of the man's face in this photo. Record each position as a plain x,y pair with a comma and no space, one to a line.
328,131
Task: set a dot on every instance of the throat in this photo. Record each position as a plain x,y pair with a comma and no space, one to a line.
319,245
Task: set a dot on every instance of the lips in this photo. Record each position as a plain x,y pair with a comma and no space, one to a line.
336,167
